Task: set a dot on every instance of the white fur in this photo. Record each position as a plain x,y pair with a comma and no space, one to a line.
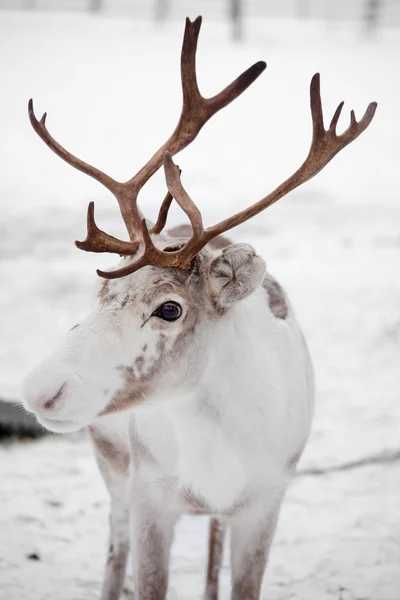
258,412
227,421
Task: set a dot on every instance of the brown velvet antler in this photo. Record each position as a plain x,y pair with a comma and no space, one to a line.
324,146
196,111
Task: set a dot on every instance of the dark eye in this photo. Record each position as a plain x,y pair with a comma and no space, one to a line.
169,311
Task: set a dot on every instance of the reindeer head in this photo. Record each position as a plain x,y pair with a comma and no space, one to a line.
155,314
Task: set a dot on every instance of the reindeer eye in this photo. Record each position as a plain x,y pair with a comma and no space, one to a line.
169,311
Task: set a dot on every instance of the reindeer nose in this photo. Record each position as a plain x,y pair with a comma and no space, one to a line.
54,401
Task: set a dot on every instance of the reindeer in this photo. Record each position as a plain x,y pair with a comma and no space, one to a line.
191,371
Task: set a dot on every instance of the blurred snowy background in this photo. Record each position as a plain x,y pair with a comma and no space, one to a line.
107,72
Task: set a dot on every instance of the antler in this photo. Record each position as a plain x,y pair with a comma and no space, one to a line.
324,146
196,111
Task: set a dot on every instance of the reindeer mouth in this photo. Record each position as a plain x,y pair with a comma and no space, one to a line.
60,425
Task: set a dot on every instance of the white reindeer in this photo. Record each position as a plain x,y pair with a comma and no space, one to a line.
191,371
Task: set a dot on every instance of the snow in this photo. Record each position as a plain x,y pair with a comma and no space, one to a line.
342,538
111,89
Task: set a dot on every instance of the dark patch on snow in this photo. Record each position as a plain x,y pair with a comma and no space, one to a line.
54,503
33,556
16,423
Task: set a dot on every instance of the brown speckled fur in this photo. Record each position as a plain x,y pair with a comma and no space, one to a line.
276,297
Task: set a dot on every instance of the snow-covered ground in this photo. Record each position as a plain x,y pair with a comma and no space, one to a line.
111,88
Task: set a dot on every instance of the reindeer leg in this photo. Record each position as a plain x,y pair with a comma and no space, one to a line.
251,540
152,525
118,542
215,551
118,547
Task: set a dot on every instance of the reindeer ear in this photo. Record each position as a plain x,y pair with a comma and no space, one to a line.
234,274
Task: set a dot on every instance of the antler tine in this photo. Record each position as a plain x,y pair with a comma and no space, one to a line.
42,131
129,211
326,143
176,189
357,127
99,241
192,98
190,88
196,109
163,212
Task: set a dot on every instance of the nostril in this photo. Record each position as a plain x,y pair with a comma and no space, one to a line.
49,404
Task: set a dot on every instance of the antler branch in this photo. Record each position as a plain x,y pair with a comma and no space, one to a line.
324,146
42,131
196,111
162,214
99,241
176,189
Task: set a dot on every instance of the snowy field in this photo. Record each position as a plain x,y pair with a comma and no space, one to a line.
111,89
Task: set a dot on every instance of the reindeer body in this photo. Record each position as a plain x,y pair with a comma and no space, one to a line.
205,415
239,426
225,448
191,370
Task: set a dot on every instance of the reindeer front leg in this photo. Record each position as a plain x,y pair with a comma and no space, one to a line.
118,544
152,526
116,480
251,539
215,550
